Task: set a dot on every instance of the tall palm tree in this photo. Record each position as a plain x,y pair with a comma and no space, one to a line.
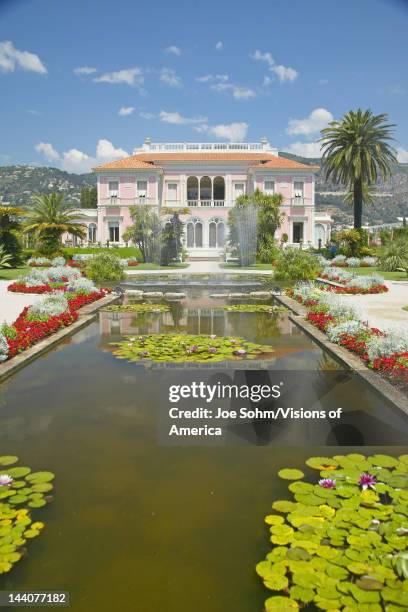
356,152
49,218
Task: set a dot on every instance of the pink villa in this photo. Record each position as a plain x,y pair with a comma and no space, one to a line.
206,178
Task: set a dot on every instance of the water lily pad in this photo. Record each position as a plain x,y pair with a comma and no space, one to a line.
8,459
290,474
18,472
37,477
344,542
280,604
322,463
186,348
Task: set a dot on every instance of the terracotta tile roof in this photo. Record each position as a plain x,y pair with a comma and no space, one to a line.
126,163
148,160
283,162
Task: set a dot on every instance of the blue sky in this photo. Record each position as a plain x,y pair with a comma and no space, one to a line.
87,80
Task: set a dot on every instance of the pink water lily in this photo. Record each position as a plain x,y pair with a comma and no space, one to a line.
213,336
367,481
212,349
240,352
5,480
327,483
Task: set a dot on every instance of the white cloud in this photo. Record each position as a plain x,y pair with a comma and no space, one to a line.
77,161
234,132
130,76
212,77
169,76
284,73
173,50
84,70
263,57
147,115
317,120
305,149
124,111
34,112
323,81
219,45
106,150
239,93
177,119
12,58
47,150
402,155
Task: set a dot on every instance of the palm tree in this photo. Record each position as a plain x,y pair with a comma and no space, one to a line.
49,218
10,223
356,153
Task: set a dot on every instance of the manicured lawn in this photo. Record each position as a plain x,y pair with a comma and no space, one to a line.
151,266
12,273
257,266
396,276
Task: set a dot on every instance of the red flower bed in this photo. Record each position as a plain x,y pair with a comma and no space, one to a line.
320,320
77,301
22,288
73,264
31,332
133,262
395,366
358,291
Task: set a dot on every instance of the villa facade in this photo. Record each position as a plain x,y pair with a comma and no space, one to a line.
206,179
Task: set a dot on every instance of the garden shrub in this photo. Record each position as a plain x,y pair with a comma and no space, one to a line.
395,256
105,267
294,264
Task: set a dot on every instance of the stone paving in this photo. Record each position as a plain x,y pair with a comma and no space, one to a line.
384,310
11,304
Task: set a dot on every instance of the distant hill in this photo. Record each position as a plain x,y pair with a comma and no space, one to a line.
19,183
390,201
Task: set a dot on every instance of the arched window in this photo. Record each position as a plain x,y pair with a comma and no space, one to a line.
216,233
92,232
192,188
205,188
219,188
320,233
194,233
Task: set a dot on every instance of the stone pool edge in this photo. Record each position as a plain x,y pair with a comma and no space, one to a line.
381,386
86,315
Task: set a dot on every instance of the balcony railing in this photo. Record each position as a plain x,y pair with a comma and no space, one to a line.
300,201
117,201
194,203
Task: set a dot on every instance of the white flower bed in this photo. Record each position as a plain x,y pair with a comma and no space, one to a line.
81,285
58,261
369,261
307,291
50,306
57,273
339,259
353,262
82,256
351,327
339,306
36,278
4,349
38,261
385,346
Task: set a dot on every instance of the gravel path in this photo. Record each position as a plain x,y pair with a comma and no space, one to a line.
384,310
11,304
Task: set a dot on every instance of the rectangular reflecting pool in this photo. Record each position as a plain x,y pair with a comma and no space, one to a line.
140,524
